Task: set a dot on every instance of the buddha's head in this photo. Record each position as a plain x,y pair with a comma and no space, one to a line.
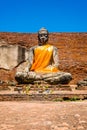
43,36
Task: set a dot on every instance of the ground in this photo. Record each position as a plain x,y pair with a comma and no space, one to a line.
37,115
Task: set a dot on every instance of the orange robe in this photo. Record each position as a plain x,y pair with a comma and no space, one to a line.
42,57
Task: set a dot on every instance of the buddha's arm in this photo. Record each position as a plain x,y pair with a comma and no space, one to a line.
30,58
55,57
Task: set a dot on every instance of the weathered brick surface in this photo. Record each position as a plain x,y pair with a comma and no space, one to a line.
7,95
11,56
39,97
72,51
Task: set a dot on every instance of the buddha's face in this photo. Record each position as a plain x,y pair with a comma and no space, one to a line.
43,38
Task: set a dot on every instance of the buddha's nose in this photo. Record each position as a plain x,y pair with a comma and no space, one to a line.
42,37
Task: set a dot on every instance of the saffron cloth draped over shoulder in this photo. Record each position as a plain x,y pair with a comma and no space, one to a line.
42,59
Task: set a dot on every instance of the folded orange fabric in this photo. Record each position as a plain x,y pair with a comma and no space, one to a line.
42,57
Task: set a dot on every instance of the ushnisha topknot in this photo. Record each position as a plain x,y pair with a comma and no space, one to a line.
43,31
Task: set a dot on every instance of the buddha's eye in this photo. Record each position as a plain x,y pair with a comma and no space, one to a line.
45,35
41,35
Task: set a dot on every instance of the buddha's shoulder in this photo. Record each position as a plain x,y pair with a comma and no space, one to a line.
33,47
55,48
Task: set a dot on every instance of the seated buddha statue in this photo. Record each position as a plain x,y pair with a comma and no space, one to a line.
42,63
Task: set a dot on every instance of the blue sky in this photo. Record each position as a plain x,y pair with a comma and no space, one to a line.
28,16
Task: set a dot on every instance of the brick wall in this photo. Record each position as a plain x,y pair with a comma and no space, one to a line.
72,49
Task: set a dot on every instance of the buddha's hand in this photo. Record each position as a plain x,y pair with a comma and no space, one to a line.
26,69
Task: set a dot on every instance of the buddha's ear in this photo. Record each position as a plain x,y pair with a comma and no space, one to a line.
38,38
